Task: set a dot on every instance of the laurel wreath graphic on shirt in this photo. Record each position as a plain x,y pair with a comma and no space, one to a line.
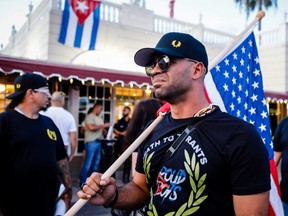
147,166
196,196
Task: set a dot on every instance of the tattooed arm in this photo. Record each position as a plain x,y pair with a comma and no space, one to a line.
63,172
73,144
64,175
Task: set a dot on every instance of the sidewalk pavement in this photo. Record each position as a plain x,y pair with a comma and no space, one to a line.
89,209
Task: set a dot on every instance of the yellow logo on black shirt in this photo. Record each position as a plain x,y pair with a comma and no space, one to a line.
51,134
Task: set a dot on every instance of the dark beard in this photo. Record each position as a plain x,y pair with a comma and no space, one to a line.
171,95
43,108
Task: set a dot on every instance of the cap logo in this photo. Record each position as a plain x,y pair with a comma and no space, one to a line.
18,86
176,43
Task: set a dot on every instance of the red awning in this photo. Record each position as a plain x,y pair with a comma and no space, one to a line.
276,95
10,65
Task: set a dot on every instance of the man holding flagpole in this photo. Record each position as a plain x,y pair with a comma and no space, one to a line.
198,160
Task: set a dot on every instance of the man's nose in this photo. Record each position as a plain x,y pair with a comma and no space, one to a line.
156,70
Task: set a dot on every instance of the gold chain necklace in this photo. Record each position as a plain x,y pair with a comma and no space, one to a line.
204,111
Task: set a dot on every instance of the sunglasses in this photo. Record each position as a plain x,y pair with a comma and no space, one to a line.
44,91
163,63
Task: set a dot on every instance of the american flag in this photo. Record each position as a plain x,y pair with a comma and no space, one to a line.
235,84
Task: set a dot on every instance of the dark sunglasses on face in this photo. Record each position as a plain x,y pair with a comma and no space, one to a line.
164,63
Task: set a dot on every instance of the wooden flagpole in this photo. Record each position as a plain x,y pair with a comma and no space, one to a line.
81,202
236,40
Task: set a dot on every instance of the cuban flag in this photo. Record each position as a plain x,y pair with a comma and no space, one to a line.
80,21
235,84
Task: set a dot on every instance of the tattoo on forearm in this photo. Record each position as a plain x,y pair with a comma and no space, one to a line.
64,172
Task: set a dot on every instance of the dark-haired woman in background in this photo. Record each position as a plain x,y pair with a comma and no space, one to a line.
144,112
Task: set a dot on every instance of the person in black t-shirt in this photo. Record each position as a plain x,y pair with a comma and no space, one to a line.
119,130
219,167
281,154
33,159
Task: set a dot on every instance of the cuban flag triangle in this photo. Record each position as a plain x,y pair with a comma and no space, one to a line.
80,21
235,84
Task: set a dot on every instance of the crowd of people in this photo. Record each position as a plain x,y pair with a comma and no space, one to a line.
198,160
43,134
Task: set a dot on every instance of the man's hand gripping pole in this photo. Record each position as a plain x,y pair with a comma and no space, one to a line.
109,172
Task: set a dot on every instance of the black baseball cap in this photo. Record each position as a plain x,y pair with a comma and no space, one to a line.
25,82
174,44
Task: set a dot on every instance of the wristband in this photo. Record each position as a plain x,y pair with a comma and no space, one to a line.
114,200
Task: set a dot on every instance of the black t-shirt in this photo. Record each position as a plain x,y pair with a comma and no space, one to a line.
222,157
281,145
121,125
29,151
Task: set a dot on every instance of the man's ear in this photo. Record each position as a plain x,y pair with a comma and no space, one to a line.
199,70
30,92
